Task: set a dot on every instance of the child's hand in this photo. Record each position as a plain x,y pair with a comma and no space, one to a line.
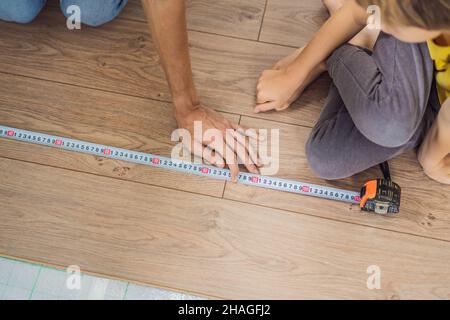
276,90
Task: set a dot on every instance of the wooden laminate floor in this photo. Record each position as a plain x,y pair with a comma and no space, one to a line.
183,232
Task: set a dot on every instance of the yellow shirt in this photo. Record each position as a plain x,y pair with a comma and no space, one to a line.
441,57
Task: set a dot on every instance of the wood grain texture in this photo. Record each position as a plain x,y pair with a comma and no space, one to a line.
112,119
120,57
235,18
423,211
292,23
204,245
128,221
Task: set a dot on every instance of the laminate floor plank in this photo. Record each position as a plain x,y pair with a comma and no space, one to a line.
423,211
235,18
120,57
292,23
204,245
95,116
173,230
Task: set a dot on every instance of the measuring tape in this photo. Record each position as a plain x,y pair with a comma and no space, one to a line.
178,165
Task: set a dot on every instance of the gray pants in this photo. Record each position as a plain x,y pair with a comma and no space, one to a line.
380,105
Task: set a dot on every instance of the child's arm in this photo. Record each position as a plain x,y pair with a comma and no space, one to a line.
277,88
434,154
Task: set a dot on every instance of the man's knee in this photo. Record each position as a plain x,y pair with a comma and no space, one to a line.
20,11
94,13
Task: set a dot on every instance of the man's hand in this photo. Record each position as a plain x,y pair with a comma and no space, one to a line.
167,21
235,146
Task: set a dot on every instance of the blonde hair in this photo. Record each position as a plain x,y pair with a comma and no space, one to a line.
424,14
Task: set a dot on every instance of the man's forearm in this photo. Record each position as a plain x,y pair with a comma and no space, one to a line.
339,29
167,21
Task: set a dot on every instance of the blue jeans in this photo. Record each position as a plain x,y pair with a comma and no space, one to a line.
93,12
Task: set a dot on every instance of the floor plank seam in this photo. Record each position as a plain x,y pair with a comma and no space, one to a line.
109,177
285,211
224,188
221,35
144,98
214,33
86,87
262,20
343,221
276,121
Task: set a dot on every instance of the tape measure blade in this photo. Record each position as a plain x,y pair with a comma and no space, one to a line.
162,162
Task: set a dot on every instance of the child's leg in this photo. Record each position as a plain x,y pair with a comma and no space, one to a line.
366,38
376,109
336,149
434,153
386,93
20,11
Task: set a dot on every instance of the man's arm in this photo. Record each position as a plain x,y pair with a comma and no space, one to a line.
167,20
